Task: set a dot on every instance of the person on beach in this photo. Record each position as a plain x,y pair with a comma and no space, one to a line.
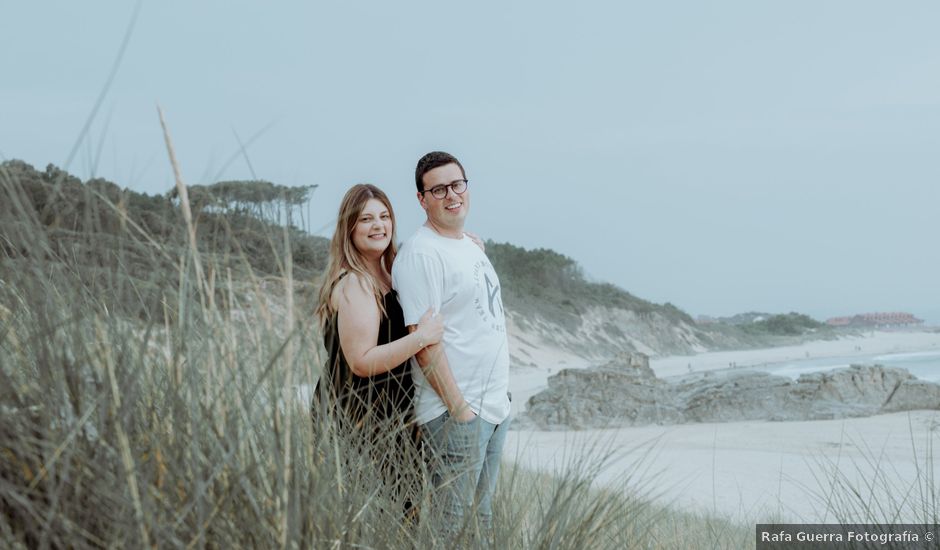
461,385
367,385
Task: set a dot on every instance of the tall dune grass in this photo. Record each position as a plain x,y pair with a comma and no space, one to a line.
870,489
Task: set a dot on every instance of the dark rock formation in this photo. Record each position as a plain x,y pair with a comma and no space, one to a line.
625,389
625,392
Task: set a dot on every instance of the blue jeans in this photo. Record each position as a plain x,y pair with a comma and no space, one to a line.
464,466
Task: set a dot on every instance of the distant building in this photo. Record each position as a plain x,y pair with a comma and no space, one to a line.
895,319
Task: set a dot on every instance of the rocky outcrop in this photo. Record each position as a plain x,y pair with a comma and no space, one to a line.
625,392
625,389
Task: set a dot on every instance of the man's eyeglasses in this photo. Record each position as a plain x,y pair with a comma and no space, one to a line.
440,191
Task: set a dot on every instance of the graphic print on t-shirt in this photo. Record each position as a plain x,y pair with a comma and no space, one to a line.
488,301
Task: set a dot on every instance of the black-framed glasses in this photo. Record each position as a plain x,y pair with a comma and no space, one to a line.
440,191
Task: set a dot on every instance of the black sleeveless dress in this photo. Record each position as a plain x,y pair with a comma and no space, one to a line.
377,407
386,396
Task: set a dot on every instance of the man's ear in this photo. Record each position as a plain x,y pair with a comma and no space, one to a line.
421,201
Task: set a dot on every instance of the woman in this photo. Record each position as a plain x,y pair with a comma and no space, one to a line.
367,377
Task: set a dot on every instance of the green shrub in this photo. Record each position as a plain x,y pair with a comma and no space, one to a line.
549,284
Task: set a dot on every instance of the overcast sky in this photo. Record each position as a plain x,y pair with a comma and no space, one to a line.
722,156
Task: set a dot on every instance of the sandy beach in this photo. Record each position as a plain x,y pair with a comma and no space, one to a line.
751,470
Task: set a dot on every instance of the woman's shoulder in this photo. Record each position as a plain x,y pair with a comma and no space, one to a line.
350,286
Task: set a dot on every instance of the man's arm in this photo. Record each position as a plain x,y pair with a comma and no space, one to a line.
436,369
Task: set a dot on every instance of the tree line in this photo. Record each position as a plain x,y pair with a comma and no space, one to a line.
127,247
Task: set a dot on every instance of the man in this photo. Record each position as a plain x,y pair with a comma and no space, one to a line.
461,384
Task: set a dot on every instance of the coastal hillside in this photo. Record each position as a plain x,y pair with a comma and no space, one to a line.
125,248
552,305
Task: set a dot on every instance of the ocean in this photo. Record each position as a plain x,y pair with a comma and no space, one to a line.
923,364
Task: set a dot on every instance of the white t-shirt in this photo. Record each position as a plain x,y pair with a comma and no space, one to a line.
455,278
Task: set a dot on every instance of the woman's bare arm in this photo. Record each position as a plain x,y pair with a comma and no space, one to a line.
358,320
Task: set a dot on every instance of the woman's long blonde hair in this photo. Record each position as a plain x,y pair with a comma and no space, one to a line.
344,256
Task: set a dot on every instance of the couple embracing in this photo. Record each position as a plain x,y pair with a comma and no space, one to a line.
418,335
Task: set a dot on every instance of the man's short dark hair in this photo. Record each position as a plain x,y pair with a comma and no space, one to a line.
432,160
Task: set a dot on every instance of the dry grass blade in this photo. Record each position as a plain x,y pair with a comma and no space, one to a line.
184,203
